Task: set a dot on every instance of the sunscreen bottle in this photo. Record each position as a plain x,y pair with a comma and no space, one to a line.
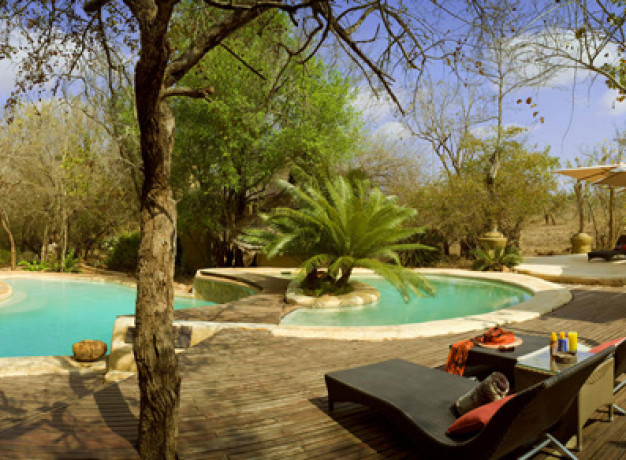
562,342
553,343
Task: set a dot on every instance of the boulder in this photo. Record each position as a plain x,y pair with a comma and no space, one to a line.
89,350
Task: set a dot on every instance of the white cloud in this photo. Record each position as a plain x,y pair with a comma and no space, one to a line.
393,130
609,105
8,71
374,109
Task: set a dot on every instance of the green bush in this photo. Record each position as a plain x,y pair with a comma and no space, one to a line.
123,252
496,259
34,266
421,257
5,257
69,265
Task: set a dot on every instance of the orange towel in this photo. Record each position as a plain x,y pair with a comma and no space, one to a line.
458,356
459,351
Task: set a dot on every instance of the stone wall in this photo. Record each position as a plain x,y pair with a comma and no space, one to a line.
219,290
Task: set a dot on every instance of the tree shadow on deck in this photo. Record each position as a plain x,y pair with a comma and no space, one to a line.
368,426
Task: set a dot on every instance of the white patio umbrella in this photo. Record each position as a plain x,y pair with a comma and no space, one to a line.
611,175
616,177
596,174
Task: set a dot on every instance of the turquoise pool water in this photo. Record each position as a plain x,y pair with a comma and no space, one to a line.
45,317
455,297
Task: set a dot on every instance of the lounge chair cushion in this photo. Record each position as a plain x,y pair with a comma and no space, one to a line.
475,420
605,345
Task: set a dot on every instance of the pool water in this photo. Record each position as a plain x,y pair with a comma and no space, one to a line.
454,297
46,317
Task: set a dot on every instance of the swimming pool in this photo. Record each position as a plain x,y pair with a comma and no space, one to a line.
44,317
455,297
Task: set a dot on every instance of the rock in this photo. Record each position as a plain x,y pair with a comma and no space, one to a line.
89,350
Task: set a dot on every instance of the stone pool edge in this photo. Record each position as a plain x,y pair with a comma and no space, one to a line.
5,291
546,298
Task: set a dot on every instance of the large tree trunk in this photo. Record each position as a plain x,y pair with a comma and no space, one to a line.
159,379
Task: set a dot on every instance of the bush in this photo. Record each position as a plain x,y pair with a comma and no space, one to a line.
422,257
5,257
69,265
496,259
123,252
35,265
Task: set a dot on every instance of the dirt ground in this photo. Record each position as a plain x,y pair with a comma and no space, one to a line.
538,238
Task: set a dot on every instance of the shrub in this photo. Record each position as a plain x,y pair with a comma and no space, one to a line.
421,258
341,225
5,257
68,265
495,259
34,266
123,252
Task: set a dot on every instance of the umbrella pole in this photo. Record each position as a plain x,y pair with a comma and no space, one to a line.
611,223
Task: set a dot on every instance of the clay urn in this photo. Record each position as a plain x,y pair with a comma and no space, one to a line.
492,239
89,350
581,243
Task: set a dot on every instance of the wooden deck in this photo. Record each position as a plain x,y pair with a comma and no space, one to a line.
247,394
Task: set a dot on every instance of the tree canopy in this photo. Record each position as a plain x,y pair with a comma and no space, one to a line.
263,118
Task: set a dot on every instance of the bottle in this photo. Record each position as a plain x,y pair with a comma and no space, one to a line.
553,344
572,341
562,342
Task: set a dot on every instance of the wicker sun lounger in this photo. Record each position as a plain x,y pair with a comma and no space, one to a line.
608,254
620,368
418,401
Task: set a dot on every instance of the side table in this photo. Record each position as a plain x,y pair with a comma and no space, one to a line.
597,390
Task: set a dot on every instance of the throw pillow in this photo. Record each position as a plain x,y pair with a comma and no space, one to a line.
476,419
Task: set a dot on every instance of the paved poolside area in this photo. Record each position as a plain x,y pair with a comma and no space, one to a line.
575,268
248,394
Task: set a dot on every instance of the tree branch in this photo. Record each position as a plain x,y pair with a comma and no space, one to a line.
244,63
91,6
203,93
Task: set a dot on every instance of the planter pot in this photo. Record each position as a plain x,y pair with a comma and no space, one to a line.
581,243
492,240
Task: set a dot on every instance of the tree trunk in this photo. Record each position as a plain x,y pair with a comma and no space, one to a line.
611,218
159,379
44,244
345,277
7,228
579,204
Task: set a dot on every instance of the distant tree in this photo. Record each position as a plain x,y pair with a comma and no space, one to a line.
443,114
63,175
503,58
457,207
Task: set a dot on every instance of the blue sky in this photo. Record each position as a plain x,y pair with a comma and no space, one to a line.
577,116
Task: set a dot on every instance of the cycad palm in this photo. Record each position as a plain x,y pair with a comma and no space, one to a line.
340,226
